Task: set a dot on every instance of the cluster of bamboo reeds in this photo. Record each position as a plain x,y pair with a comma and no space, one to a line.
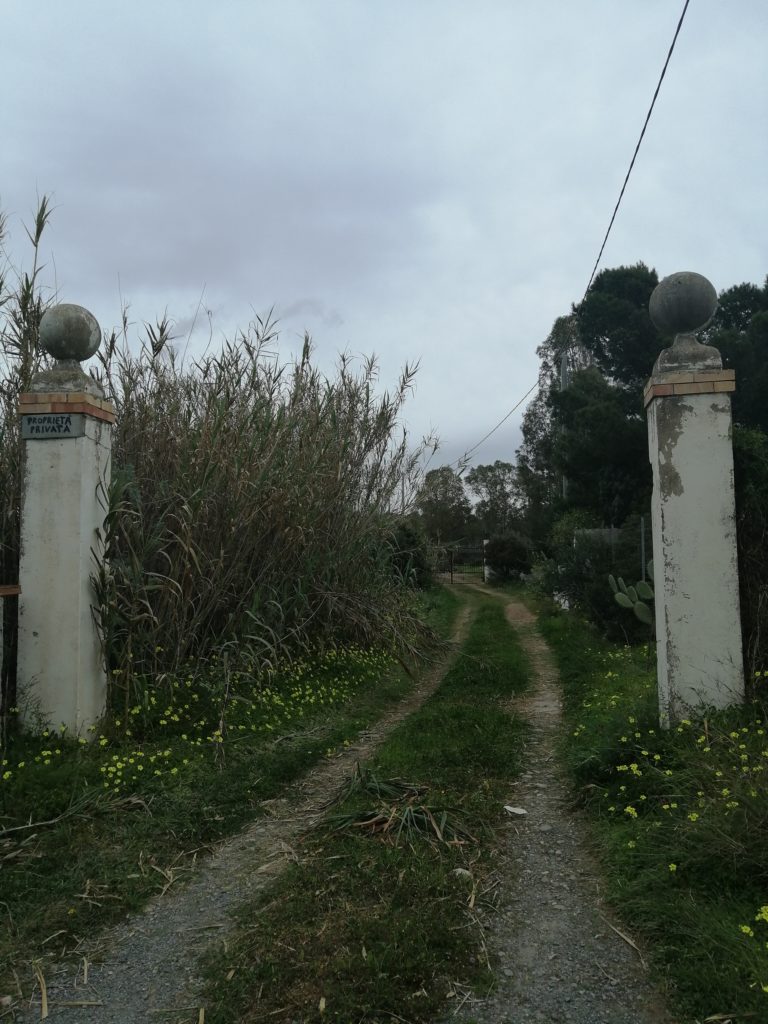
21,307
251,501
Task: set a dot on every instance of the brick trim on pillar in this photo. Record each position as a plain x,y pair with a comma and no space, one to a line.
37,403
701,382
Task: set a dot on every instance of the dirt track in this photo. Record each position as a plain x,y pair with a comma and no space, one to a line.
560,956
145,968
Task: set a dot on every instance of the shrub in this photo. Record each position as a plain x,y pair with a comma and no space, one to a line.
583,556
409,552
508,555
750,453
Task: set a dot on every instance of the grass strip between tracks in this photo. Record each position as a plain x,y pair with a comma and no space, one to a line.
376,919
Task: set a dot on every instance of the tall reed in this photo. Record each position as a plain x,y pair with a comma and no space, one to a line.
251,502
21,307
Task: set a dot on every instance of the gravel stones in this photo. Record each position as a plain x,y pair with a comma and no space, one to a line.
557,958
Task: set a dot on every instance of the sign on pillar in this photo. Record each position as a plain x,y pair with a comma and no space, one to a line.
698,625
66,426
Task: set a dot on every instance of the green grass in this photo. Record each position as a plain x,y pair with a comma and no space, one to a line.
682,821
380,927
512,587
186,768
440,607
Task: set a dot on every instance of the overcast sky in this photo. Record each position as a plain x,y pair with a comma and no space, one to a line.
425,179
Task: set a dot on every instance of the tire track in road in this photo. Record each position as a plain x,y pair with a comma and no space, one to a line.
559,956
146,968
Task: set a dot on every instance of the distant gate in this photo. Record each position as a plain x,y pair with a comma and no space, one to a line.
463,564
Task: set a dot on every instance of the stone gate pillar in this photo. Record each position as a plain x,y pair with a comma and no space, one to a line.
688,402
66,427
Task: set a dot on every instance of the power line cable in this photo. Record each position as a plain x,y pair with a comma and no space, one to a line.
501,422
517,405
637,148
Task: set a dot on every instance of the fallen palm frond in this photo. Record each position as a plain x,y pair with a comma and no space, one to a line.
85,806
407,822
365,781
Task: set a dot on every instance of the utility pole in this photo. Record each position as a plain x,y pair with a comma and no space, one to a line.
564,382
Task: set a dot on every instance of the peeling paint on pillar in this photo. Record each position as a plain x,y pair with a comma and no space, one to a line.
694,528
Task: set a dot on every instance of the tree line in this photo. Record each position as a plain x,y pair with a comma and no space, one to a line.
583,465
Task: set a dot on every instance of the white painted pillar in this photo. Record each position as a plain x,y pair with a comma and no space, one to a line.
66,429
698,624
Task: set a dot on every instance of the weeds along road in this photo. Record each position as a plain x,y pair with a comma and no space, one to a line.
287,922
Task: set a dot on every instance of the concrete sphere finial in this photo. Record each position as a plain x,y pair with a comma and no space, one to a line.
69,332
682,303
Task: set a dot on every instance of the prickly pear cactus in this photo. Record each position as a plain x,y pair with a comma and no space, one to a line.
637,597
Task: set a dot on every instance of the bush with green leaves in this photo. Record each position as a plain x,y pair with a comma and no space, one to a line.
750,456
508,555
580,558
410,551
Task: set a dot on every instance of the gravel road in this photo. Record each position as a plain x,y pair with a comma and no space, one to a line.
558,954
555,948
145,969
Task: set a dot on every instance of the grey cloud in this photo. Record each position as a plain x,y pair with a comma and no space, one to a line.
314,308
424,180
